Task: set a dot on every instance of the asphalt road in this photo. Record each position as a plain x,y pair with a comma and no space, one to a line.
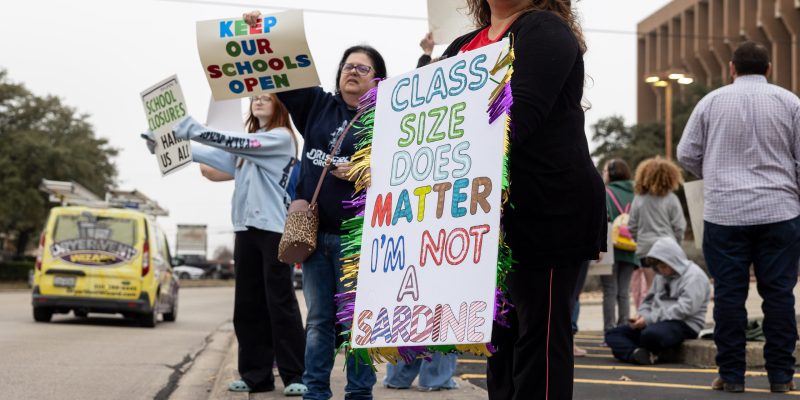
600,377
103,357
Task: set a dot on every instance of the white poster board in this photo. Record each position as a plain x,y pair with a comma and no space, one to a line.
429,248
448,19
225,115
241,61
164,107
694,200
605,265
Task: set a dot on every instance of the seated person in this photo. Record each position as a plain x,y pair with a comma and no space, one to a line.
673,311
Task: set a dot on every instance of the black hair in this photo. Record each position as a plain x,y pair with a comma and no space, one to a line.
377,61
618,170
751,58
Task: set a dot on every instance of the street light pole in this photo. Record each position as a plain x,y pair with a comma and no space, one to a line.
666,83
668,139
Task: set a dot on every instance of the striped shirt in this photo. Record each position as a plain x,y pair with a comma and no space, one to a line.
744,141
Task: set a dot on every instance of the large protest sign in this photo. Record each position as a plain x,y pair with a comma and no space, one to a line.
430,239
240,61
448,19
164,107
694,201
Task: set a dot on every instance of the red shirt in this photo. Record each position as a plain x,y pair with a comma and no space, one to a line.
483,39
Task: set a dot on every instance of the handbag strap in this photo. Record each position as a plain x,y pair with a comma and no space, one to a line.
616,203
329,160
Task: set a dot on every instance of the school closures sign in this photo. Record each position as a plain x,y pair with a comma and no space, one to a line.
240,60
429,249
164,107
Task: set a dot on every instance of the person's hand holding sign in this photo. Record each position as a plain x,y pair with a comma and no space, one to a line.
251,18
150,141
427,44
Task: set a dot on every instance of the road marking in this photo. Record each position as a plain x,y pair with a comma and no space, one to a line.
588,336
664,385
595,348
599,356
657,369
465,361
472,376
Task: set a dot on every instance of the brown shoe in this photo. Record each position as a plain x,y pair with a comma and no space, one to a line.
781,387
719,384
578,352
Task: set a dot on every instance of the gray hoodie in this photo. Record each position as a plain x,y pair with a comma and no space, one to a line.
259,197
652,217
683,296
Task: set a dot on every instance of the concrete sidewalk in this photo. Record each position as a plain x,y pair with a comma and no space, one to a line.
214,384
227,373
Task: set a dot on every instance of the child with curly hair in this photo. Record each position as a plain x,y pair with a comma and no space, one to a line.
655,212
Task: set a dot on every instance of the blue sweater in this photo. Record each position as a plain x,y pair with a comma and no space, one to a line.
321,117
260,199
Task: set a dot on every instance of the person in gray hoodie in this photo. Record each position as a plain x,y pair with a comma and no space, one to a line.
673,311
266,315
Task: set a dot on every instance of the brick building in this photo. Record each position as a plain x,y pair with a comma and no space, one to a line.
698,37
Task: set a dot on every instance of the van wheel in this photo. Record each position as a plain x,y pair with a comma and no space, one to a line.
42,314
172,315
80,314
150,319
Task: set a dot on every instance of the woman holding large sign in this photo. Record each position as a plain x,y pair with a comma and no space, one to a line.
266,316
556,216
321,118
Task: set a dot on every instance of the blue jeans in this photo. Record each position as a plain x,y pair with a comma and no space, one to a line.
655,338
773,249
576,308
321,281
438,373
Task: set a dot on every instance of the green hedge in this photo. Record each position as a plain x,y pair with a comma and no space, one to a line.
15,270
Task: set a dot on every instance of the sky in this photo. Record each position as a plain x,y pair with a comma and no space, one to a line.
98,56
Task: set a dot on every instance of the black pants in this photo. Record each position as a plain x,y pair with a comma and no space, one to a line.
773,249
660,336
266,316
534,357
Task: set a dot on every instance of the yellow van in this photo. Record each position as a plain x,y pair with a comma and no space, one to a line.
104,260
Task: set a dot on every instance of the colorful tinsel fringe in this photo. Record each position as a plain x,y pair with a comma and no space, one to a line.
500,103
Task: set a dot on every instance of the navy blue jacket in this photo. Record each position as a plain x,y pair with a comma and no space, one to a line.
321,117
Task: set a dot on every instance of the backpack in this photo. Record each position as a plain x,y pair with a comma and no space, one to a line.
620,233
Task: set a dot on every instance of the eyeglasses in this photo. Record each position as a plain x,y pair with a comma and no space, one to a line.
361,69
262,99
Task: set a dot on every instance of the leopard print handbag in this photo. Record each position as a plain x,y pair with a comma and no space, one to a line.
299,238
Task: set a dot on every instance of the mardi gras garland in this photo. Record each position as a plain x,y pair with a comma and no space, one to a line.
499,106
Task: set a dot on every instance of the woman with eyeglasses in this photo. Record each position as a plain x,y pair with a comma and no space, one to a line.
266,316
321,117
556,215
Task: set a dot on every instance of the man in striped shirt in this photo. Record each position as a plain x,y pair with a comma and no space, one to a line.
744,140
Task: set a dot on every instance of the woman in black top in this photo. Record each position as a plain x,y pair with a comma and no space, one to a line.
556,216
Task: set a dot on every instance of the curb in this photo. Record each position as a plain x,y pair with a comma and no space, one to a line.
226,373
200,376
702,353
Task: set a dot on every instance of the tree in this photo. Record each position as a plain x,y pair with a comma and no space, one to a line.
639,142
223,253
43,138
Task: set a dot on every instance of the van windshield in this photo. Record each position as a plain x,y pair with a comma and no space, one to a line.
88,239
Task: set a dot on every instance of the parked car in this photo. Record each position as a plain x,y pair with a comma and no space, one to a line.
222,270
189,272
104,260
